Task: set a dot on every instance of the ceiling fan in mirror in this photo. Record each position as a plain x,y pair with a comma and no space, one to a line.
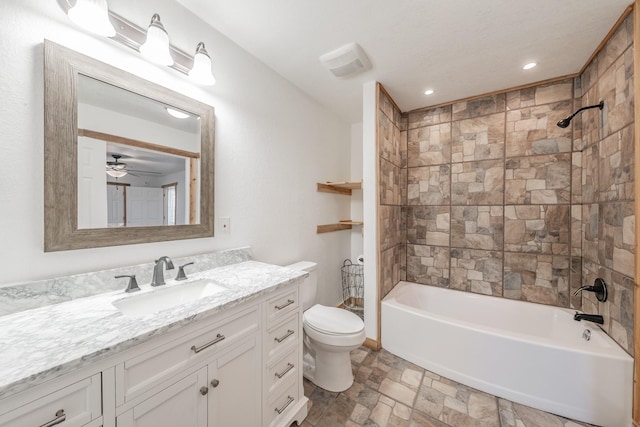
118,169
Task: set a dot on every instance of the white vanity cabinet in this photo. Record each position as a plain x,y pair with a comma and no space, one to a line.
239,367
65,403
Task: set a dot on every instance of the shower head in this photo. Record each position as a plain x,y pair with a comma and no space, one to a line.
565,122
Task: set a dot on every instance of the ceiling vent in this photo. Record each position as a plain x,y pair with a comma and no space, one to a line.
346,61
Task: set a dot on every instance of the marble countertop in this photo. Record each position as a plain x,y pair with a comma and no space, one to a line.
45,342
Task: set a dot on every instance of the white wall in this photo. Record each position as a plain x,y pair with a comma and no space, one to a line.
272,144
356,197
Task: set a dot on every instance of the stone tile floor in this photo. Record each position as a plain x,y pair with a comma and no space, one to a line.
389,391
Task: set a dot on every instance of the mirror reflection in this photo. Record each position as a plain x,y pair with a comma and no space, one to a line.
138,160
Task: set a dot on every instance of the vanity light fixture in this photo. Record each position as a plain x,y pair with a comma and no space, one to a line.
529,66
153,43
201,70
92,15
176,113
156,46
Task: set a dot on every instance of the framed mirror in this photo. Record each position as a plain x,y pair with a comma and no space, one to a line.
126,161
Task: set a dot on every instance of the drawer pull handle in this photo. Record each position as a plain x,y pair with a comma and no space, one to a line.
204,390
219,338
215,383
60,417
285,336
287,369
283,407
288,303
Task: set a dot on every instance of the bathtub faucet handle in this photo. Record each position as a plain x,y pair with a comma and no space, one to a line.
599,288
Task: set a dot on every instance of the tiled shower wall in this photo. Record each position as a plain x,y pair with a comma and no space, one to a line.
493,198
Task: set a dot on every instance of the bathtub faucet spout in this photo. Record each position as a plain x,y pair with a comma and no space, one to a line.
595,318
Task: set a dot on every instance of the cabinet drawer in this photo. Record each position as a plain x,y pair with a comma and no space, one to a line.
279,408
137,377
283,337
74,405
282,372
279,306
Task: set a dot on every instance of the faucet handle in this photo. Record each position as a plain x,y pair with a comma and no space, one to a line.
181,275
132,286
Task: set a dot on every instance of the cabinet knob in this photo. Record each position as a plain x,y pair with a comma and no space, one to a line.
204,390
215,383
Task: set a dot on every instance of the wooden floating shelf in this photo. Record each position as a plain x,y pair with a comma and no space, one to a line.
344,187
342,225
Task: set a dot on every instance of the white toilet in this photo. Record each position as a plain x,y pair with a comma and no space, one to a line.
330,333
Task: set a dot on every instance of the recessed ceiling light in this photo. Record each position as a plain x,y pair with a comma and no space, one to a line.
428,92
177,114
529,66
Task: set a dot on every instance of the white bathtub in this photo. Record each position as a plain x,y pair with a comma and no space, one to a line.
527,353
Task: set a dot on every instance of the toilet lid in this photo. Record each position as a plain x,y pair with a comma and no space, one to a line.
332,320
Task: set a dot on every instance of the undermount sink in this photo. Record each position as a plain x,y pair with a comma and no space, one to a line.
164,298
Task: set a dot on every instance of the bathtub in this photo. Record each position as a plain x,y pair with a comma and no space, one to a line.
527,353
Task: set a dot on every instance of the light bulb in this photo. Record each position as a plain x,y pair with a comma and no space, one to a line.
201,70
93,16
156,46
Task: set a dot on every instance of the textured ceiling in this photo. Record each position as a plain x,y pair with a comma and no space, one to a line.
460,48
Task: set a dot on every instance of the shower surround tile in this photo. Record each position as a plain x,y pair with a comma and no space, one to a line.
532,131
428,225
428,117
389,135
392,226
428,265
391,267
475,183
540,229
538,179
429,185
476,271
615,166
477,227
390,183
616,236
536,278
478,138
430,145
538,95
479,107
590,174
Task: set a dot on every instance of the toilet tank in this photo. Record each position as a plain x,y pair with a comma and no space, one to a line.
310,284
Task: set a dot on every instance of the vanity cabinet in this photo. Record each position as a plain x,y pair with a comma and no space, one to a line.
73,404
240,367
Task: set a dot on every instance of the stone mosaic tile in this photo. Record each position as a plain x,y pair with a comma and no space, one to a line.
429,185
477,227
621,40
615,87
389,140
616,236
390,266
544,179
615,166
576,122
478,138
590,174
429,145
576,230
389,108
591,121
575,281
389,391
576,177
478,107
590,229
536,278
392,226
540,229
428,117
474,183
390,183
428,225
476,271
538,95
533,130
404,148
428,265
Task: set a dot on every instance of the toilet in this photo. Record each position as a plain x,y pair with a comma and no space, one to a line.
330,333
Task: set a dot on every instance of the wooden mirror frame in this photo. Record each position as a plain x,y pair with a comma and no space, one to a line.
61,69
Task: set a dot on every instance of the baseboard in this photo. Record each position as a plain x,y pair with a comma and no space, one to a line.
372,344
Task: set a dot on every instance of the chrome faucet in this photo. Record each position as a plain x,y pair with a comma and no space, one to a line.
158,275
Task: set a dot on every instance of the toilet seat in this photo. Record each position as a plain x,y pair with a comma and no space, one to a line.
332,320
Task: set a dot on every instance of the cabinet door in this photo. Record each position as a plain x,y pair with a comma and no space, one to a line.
234,379
182,404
